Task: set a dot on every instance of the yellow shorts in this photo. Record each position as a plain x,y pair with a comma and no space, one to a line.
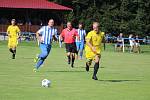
12,42
89,54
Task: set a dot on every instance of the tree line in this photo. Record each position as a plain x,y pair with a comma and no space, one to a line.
115,16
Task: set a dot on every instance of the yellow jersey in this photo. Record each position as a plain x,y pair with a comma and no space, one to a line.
96,41
13,31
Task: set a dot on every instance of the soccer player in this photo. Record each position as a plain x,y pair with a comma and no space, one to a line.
119,42
45,36
93,48
69,35
13,33
80,42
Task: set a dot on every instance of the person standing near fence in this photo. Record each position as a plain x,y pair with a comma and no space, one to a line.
137,44
132,43
93,48
13,33
45,36
120,41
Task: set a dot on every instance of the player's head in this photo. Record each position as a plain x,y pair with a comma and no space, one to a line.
51,22
131,35
121,34
69,25
13,21
136,36
80,26
95,26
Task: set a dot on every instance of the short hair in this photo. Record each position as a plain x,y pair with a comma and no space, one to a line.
13,19
51,19
69,22
96,23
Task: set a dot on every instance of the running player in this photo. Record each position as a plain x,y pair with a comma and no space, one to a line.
93,48
13,33
80,42
69,35
45,36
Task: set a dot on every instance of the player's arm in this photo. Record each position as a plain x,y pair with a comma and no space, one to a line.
77,35
62,35
18,32
8,31
38,33
38,37
55,35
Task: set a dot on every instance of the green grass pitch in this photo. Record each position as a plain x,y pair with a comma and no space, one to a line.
122,76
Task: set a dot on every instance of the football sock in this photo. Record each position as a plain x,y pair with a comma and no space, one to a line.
69,59
96,67
81,53
73,59
11,50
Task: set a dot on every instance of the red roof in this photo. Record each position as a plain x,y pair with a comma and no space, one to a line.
32,4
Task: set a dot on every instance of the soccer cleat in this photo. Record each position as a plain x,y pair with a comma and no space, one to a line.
68,62
72,65
94,77
34,70
87,67
36,59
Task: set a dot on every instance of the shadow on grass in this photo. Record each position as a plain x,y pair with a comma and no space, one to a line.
119,80
145,52
90,67
26,58
67,71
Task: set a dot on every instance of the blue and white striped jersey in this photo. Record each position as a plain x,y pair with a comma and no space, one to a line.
47,34
82,34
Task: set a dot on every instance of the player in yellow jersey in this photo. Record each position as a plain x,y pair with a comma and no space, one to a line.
93,48
13,33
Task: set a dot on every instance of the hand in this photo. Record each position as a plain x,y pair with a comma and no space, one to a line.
94,50
40,40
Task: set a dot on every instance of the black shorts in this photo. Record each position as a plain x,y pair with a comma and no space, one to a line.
71,47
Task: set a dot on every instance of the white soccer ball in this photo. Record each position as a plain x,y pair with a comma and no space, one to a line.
46,83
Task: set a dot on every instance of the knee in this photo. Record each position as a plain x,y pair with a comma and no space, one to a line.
44,55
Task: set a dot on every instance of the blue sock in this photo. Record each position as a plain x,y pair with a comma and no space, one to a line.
39,63
81,53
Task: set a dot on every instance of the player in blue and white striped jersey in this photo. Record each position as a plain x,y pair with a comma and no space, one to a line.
45,35
80,41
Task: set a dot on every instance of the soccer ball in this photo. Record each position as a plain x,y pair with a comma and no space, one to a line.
46,83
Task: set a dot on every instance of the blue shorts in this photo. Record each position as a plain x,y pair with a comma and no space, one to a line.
80,45
119,44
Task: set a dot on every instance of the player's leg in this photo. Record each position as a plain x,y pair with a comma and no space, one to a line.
73,51
68,52
14,52
89,56
77,46
88,64
72,59
96,67
139,48
81,49
44,53
11,46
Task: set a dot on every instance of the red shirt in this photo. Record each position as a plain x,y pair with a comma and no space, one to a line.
69,35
